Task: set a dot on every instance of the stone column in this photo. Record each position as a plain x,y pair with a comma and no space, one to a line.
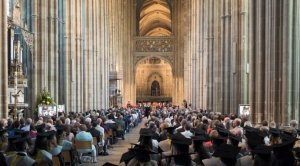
129,71
70,62
180,30
3,60
52,22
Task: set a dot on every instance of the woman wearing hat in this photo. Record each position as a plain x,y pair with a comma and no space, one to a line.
179,154
260,154
201,152
141,156
42,148
224,155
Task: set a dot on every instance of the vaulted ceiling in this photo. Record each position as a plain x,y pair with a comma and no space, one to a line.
155,18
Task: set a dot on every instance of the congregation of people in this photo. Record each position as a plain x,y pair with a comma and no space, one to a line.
170,136
37,142
174,136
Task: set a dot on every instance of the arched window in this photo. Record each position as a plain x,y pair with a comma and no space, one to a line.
155,88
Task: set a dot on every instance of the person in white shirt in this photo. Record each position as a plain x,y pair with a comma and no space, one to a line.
187,133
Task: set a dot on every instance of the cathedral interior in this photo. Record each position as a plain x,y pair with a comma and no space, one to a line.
217,55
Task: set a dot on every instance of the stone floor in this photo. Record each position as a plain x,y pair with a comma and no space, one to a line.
119,148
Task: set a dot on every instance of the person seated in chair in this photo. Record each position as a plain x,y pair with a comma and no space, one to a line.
86,136
120,126
20,158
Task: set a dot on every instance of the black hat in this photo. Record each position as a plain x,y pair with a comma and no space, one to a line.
127,156
60,129
248,129
3,131
141,149
262,150
255,137
222,131
274,132
227,151
170,130
46,134
146,132
286,137
197,131
40,128
286,145
138,150
109,164
218,140
202,138
180,139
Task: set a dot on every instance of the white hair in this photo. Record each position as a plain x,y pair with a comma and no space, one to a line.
67,121
88,120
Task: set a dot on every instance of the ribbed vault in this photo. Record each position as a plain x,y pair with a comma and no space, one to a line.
155,18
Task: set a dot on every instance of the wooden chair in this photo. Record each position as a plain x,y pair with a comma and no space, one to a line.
83,145
67,157
110,136
95,143
55,161
86,145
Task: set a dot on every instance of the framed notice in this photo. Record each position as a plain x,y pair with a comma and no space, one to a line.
244,110
47,110
60,108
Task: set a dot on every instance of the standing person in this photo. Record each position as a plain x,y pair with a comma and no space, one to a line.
147,111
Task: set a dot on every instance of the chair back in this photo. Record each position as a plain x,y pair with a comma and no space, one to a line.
83,144
110,133
95,142
55,161
67,156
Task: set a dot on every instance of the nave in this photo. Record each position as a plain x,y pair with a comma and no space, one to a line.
120,147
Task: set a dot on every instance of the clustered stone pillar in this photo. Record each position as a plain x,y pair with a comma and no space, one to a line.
216,56
129,91
274,60
45,53
71,51
180,22
3,60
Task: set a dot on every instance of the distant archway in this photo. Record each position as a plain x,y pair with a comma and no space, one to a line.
154,80
155,88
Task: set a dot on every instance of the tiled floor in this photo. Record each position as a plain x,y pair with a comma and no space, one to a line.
118,148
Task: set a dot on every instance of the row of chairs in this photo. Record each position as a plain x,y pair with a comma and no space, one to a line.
77,145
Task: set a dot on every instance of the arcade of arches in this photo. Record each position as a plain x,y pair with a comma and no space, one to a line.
91,54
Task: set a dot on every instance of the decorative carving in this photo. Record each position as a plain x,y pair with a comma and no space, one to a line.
17,14
28,38
154,60
154,45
